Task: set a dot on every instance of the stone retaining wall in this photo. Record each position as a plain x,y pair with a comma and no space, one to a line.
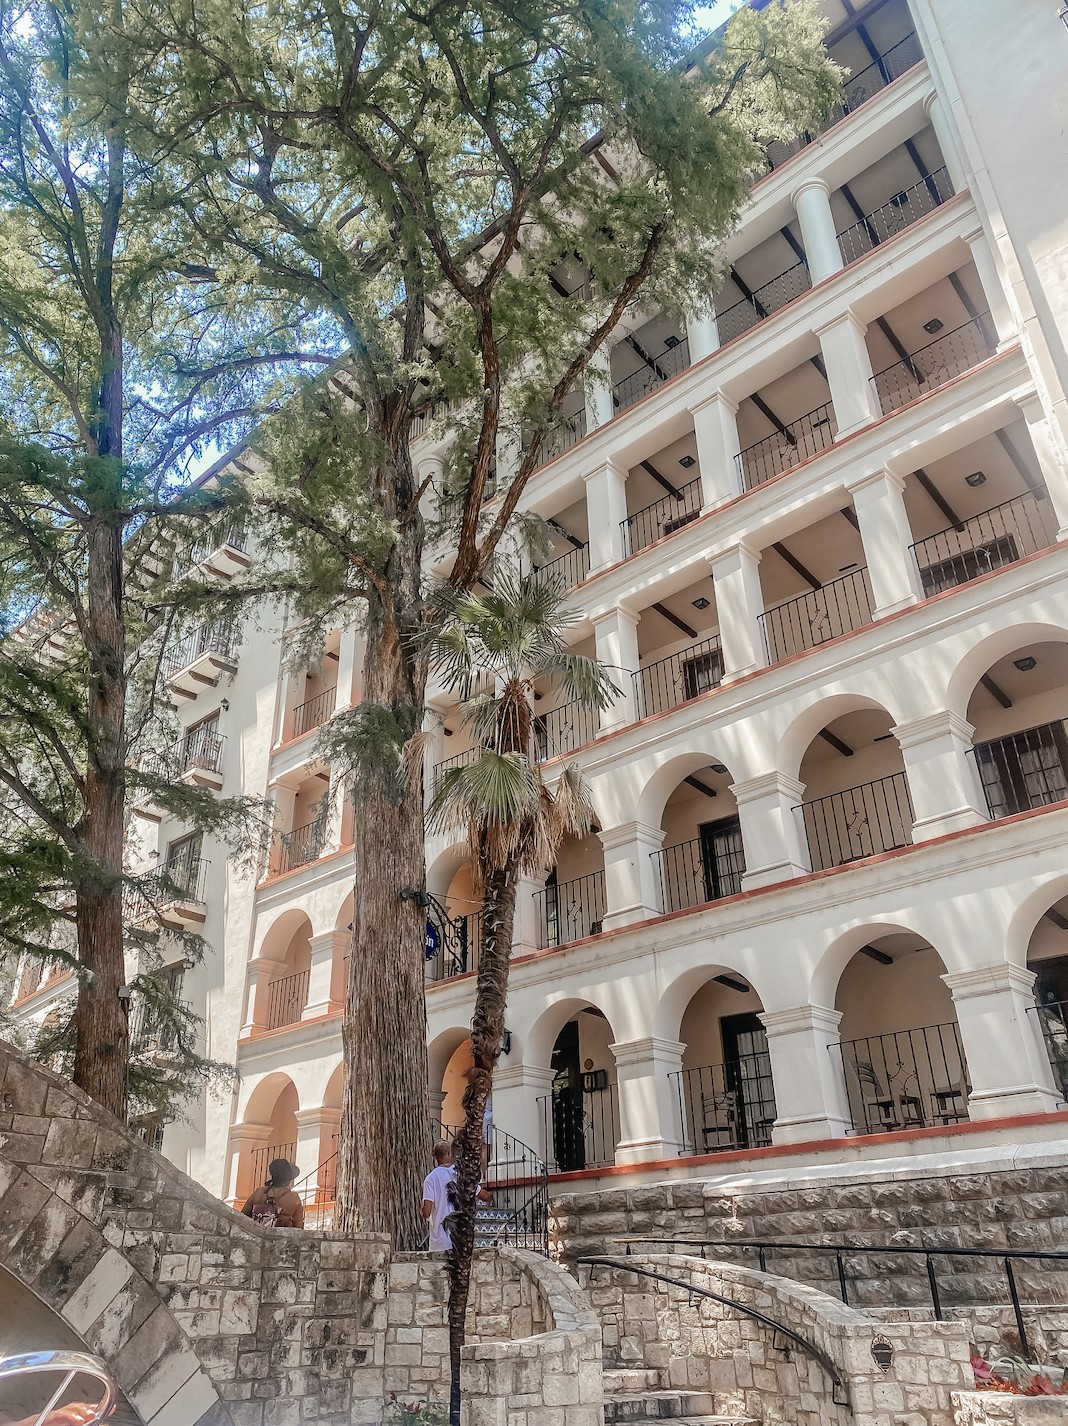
700,1345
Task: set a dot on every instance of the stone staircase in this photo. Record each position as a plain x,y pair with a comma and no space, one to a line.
496,1225
633,1396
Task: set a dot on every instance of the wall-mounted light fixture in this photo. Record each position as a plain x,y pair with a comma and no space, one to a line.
977,477
1026,664
224,704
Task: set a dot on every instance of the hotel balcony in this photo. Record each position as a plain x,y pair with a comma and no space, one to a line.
197,659
174,896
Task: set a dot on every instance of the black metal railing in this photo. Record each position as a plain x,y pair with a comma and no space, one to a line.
782,1335
728,1106
318,1189
906,1080
464,759
286,999
313,712
564,433
874,817
985,542
581,1123
1053,1025
431,412
564,729
180,881
667,682
932,366
1024,770
782,450
835,608
903,209
861,1284
570,568
891,64
233,537
452,944
517,1181
762,302
261,1158
661,518
215,638
693,874
570,910
201,749
290,850
653,372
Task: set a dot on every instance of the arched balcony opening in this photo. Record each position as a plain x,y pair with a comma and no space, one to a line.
725,1089
572,906
580,1115
312,693
1020,743
1047,957
856,800
902,1053
286,953
302,823
453,1084
702,858
271,1123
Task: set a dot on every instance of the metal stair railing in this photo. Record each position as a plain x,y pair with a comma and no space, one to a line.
1007,1257
68,1366
810,1349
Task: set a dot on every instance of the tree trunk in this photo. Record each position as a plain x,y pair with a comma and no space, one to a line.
100,1018
487,1032
384,1147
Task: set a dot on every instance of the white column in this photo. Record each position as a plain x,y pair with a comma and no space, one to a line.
335,813
431,469
630,876
261,971
616,639
739,604
812,203
287,701
1008,1068
942,777
606,509
648,1104
600,408
770,829
525,928
947,142
517,1090
806,1068
1006,326
849,373
346,668
1052,459
715,429
314,1128
885,533
702,334
324,976
243,1139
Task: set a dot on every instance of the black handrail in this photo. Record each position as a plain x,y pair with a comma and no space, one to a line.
809,1348
1007,1257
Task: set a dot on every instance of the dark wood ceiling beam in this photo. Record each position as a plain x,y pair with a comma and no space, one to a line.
732,983
649,361
665,613
880,956
661,480
795,246
769,415
796,565
1058,920
996,691
748,293
700,786
931,490
836,743
924,172
855,18
859,214
851,515
572,540
1023,470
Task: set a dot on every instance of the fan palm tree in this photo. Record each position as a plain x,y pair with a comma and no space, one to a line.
493,649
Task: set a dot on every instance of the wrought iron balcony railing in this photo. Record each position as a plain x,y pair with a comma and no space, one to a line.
464,759
695,873
891,64
233,536
985,542
674,358
286,999
581,1123
561,436
571,910
662,517
836,608
564,729
762,302
454,948
728,1106
1025,770
201,750
1053,1025
313,712
909,1079
180,881
215,638
291,850
667,682
570,568
261,1158
949,355
796,442
859,822
906,207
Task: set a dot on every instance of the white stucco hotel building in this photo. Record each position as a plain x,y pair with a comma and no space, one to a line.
822,537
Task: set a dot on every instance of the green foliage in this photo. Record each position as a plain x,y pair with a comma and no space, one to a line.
431,1412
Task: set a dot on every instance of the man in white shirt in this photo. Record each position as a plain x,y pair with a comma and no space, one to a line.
436,1204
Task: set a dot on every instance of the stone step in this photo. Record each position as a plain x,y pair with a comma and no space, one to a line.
629,1381
656,1405
690,1420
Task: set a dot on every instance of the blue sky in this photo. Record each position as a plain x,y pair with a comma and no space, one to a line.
714,14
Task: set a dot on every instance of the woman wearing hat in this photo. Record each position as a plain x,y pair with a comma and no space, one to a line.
275,1205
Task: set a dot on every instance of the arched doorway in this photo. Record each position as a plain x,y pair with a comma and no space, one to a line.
726,1091
581,1113
1021,737
702,858
901,1047
1047,956
283,994
271,1117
